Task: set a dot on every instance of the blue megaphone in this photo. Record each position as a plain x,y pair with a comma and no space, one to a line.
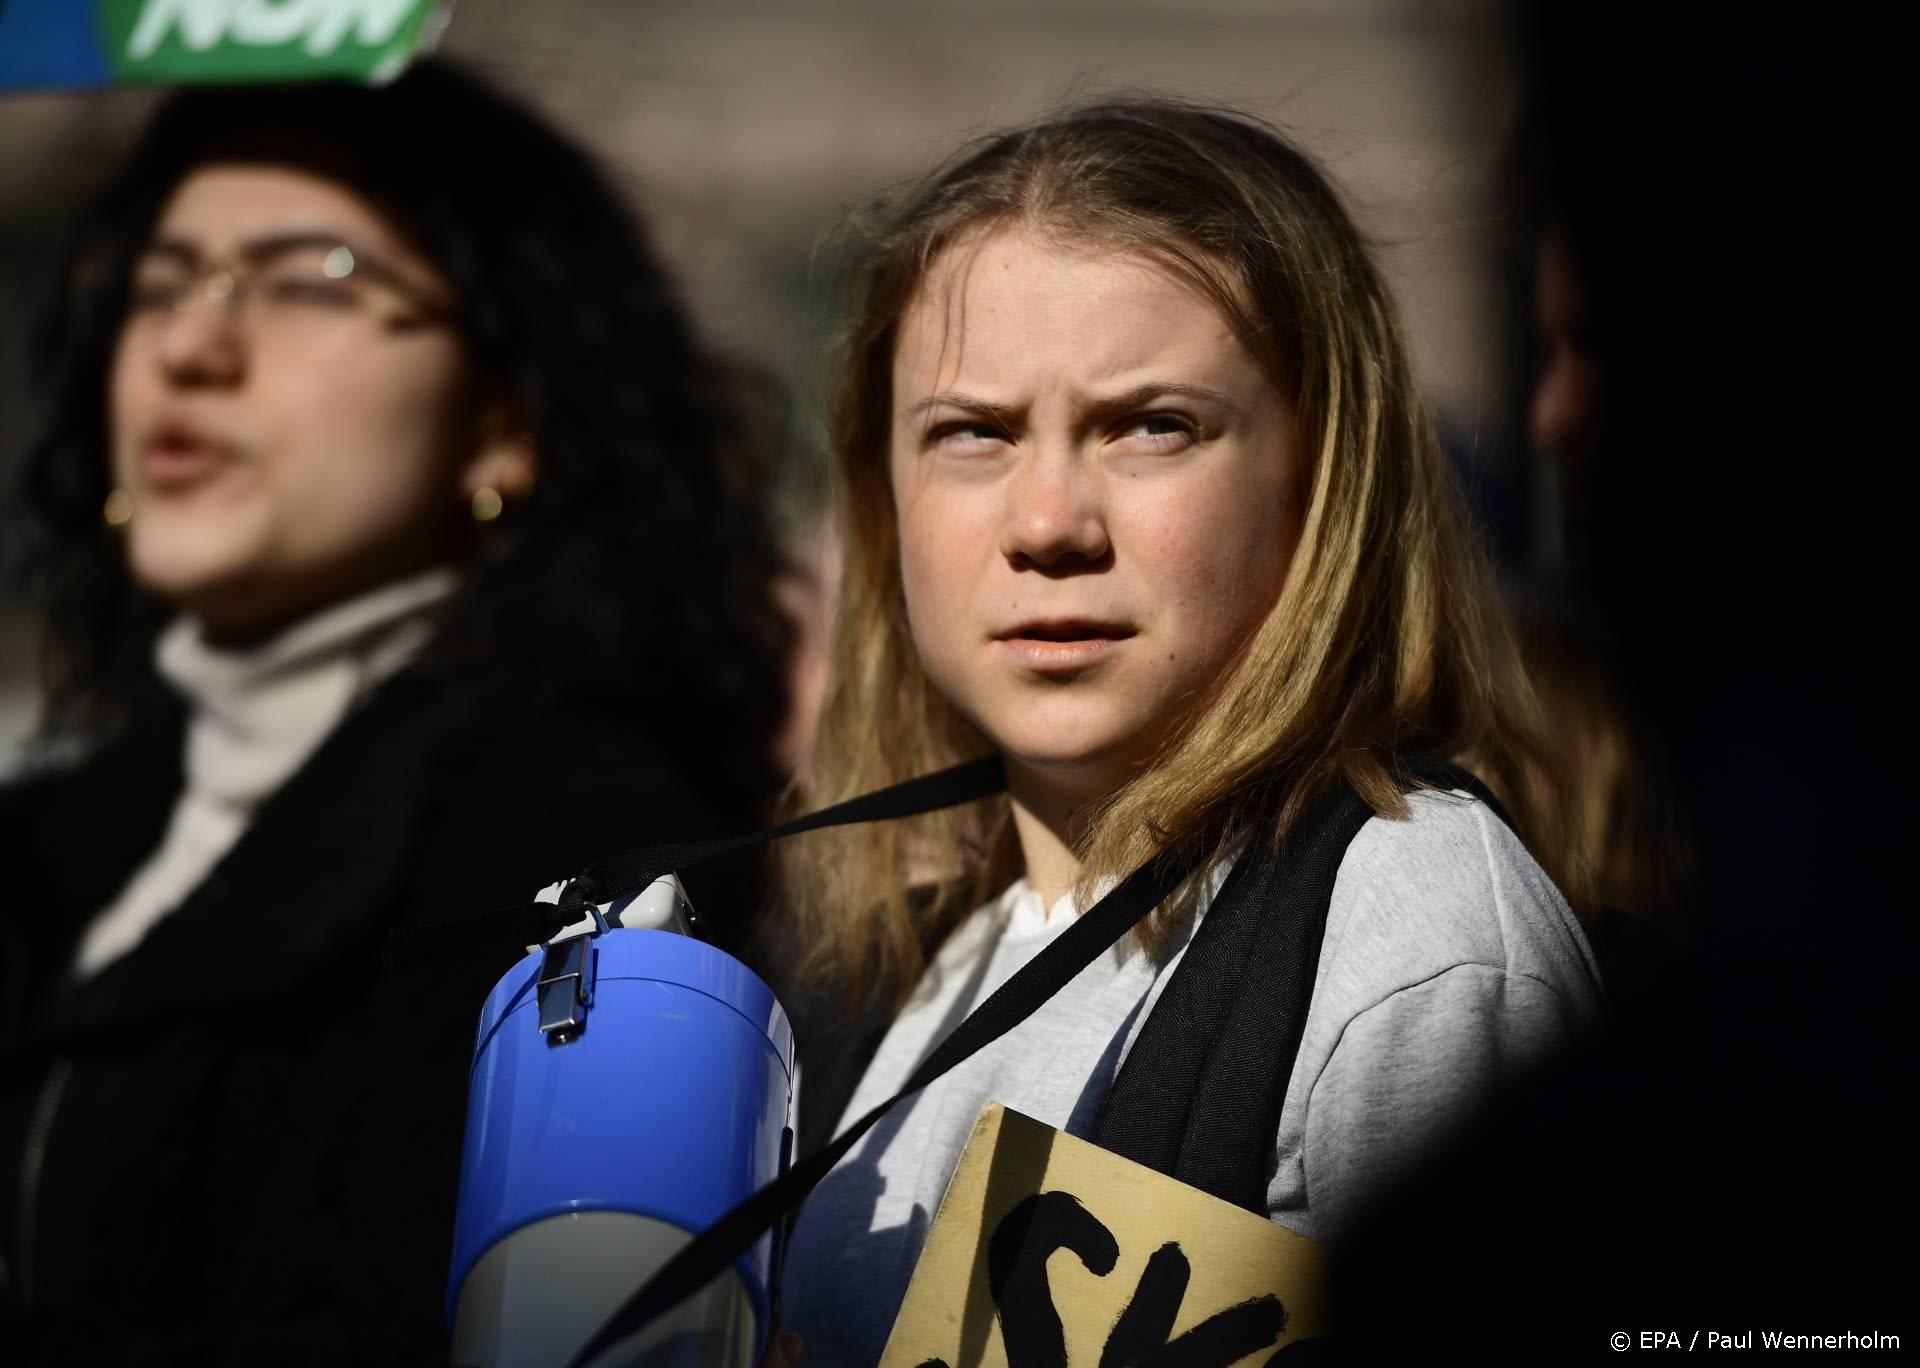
629,1087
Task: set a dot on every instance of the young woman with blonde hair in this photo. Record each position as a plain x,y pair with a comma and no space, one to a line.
1137,492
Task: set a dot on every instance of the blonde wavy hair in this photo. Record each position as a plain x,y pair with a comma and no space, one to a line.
1388,640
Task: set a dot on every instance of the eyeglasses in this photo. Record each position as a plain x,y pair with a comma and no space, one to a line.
287,285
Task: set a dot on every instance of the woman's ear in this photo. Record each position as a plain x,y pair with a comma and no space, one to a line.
504,461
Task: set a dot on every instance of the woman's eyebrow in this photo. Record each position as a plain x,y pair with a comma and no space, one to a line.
965,402
177,248
1141,395
253,249
273,244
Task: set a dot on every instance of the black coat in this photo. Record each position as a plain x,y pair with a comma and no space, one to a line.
247,1131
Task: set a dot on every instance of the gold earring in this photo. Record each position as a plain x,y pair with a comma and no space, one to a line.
486,504
117,511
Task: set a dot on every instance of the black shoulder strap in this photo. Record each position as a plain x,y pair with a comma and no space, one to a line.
1200,1092
509,929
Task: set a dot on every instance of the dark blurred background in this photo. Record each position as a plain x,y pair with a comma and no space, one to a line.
743,127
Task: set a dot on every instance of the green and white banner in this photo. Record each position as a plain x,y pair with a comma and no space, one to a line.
85,43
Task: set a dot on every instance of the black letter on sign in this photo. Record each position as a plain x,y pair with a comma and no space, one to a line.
1017,1272
1140,1336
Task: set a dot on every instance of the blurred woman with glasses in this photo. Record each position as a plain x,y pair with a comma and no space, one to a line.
400,551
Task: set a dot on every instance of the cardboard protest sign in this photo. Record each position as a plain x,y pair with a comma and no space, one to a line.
84,43
1049,1251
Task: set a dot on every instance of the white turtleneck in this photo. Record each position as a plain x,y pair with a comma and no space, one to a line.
254,717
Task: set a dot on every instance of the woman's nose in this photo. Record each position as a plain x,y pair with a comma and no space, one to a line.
201,342
1055,513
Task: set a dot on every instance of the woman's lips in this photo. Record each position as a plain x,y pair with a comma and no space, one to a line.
1062,646
173,457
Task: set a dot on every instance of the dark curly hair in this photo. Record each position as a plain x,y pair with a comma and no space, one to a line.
638,575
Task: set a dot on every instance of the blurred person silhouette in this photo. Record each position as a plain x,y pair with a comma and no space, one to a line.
1563,410
1737,1164
401,550
1629,835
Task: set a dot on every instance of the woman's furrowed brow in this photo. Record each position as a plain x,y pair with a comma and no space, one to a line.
1137,397
967,403
1141,395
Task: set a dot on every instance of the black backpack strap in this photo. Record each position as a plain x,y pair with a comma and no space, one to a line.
1200,1093
1193,1096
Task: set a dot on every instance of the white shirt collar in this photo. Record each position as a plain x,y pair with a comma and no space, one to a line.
1022,917
257,713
